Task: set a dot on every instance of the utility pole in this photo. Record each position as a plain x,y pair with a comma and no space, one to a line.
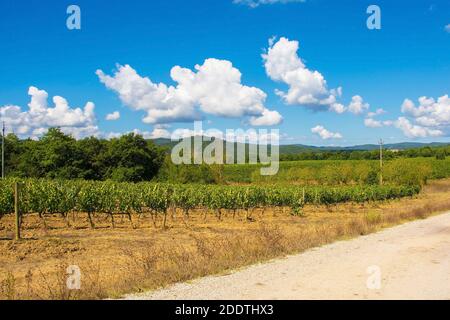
3,150
381,142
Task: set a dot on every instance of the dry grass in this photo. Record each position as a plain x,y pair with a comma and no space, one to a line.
124,260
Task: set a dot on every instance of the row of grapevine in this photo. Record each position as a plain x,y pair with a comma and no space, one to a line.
62,197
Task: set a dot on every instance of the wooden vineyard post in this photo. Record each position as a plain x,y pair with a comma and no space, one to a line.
17,208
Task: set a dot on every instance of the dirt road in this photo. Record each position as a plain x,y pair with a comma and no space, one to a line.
411,261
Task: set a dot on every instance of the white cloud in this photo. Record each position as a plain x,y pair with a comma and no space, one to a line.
257,3
447,28
35,121
113,116
358,106
159,131
162,103
306,87
268,118
378,112
325,134
214,88
415,131
371,123
338,108
431,118
429,113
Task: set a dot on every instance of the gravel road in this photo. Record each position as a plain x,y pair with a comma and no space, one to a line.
410,261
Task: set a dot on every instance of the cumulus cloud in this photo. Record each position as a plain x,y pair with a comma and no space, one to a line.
268,118
305,87
372,123
213,88
159,131
78,122
415,131
430,118
113,116
378,112
162,103
325,134
429,112
358,106
257,3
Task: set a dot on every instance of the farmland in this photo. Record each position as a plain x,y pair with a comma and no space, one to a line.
128,237
64,197
126,259
335,172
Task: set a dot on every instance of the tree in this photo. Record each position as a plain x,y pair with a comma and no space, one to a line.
92,150
61,157
132,158
440,154
12,152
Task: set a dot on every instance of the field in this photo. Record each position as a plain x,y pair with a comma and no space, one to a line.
124,260
128,237
335,172
91,198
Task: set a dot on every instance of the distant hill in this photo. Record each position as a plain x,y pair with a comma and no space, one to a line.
299,148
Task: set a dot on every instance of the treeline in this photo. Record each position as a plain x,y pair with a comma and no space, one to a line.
439,153
60,156
131,158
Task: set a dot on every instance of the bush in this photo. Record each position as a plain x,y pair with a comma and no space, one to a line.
372,178
441,155
407,172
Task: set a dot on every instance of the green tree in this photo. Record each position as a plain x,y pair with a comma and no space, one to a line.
440,154
93,150
61,157
132,158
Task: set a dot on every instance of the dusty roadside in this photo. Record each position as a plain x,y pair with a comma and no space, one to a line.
413,261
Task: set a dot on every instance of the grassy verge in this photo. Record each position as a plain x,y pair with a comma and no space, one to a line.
125,260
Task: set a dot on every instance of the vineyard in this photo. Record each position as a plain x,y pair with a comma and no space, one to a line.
338,172
45,197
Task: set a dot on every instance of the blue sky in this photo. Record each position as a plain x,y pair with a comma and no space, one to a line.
407,59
